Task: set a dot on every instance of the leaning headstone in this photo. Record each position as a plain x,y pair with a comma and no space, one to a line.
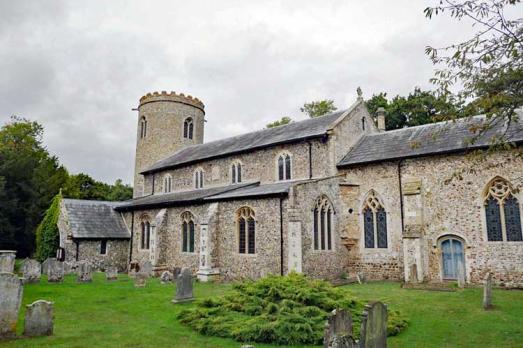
32,271
487,292
39,319
461,276
111,273
166,277
147,268
55,271
184,287
11,291
84,273
338,330
7,261
413,274
373,333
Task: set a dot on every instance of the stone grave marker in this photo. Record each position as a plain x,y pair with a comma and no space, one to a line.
32,271
338,330
11,291
147,268
360,277
84,273
184,287
140,280
39,319
111,273
373,333
166,277
55,271
487,292
45,266
7,261
461,276
413,274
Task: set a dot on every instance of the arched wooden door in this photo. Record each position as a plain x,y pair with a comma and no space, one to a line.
452,257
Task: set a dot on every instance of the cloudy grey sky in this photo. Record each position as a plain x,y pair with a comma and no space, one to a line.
79,67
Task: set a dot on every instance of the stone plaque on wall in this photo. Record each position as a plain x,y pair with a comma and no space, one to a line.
412,187
295,252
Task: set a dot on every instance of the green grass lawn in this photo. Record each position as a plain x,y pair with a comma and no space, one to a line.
116,314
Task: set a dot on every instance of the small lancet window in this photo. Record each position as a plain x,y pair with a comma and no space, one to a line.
236,173
188,128
198,178
143,127
374,222
167,183
502,212
145,234
187,232
322,224
284,167
245,220
103,247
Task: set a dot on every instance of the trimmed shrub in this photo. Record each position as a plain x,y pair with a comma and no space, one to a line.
47,234
283,310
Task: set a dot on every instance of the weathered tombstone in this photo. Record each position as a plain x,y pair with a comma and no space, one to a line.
7,261
487,292
45,265
373,333
338,330
39,319
31,271
184,287
360,277
166,277
111,273
11,291
84,273
55,271
461,276
140,280
413,274
147,268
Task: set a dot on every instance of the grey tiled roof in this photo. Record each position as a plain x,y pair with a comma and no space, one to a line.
314,127
430,139
95,219
255,191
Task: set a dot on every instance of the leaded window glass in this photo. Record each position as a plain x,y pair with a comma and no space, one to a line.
368,226
187,232
322,221
281,168
246,231
493,220
381,216
188,128
374,222
512,219
284,167
502,212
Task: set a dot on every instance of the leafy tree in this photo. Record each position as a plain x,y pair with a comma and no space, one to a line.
47,234
283,121
489,65
318,108
82,186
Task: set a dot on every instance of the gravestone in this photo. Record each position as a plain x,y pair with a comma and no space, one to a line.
45,265
111,273
360,277
338,330
413,274
487,292
140,280
146,268
11,291
184,287
7,261
166,277
32,271
373,333
84,273
461,276
55,271
39,319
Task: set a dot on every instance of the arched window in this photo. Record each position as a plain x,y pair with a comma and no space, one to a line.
284,167
187,232
167,183
363,123
145,235
188,128
323,224
502,212
198,178
236,173
246,231
143,127
374,222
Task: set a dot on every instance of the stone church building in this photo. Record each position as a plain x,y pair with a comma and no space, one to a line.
328,196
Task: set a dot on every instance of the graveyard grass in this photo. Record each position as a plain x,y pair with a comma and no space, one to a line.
115,314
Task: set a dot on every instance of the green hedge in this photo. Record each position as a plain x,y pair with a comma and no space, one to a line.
47,235
283,310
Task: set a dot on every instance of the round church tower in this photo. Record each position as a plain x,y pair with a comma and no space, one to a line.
167,122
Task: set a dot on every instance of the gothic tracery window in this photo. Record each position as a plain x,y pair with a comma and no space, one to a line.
284,167
198,178
374,222
145,234
502,212
236,172
246,230
187,232
167,183
188,128
323,224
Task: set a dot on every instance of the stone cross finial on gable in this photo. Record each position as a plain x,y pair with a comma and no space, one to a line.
360,93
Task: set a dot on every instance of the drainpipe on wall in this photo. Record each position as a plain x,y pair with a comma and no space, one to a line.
281,236
132,234
152,193
401,198
310,160
77,249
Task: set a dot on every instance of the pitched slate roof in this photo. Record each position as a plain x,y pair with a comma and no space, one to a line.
95,219
293,132
279,188
430,139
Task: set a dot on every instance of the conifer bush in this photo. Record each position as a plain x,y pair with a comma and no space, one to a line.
283,310
47,234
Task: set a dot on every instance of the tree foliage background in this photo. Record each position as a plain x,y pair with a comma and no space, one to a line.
29,179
